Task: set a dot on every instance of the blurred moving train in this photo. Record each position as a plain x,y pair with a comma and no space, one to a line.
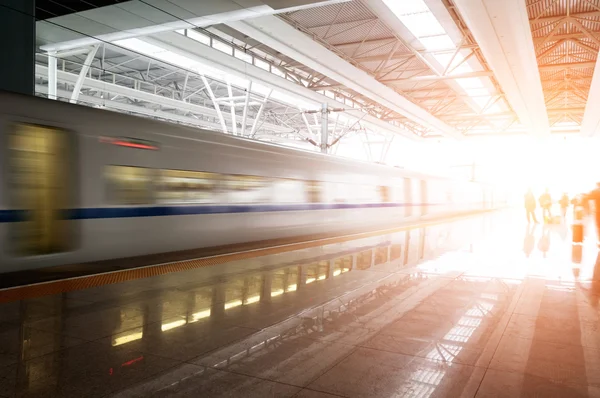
79,184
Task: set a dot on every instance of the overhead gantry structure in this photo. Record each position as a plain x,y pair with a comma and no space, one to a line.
312,73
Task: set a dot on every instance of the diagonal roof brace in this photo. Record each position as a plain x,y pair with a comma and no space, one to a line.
209,56
284,38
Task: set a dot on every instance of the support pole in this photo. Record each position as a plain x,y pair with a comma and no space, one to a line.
215,104
83,73
324,128
52,75
245,115
260,110
232,103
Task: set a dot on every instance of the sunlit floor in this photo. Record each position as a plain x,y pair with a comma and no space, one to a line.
482,307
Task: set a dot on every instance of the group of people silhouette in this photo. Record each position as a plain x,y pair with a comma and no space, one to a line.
546,203
581,201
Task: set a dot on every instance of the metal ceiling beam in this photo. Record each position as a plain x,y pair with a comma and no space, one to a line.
591,117
277,34
503,32
71,78
209,56
429,78
537,40
139,110
548,20
572,65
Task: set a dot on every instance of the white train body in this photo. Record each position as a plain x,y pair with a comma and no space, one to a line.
79,184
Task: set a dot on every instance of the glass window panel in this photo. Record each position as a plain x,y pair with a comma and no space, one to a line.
192,34
261,64
243,56
226,48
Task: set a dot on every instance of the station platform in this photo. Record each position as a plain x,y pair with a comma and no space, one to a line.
483,306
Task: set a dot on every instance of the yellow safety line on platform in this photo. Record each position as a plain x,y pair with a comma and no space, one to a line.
112,277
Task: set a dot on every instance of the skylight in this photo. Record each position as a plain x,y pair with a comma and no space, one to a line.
423,24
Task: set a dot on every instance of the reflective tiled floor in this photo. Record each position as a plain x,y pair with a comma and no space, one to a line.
481,307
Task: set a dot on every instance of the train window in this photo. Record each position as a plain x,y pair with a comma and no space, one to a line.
384,193
313,191
180,186
365,193
288,191
247,189
128,185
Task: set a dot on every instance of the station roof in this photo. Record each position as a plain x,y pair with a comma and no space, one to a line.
416,69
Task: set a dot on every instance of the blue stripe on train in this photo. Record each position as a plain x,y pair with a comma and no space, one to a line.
158,211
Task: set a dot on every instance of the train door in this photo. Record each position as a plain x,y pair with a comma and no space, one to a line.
41,189
408,198
424,198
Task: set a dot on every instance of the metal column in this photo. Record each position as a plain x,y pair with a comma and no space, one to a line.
52,71
324,128
17,45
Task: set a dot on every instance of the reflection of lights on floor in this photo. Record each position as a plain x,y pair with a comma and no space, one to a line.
172,325
252,299
277,292
128,338
429,379
321,277
337,272
310,280
292,288
200,315
232,304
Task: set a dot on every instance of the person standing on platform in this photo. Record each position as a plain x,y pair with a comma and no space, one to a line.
546,205
595,197
530,207
564,205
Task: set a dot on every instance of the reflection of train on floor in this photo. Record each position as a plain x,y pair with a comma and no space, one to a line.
80,184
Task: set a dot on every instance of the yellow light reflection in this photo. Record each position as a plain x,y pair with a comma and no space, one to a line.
137,334
337,272
292,288
232,304
172,325
252,299
200,315
277,292
310,280
321,277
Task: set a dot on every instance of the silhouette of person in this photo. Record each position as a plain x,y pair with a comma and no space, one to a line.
530,204
546,205
564,204
595,197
